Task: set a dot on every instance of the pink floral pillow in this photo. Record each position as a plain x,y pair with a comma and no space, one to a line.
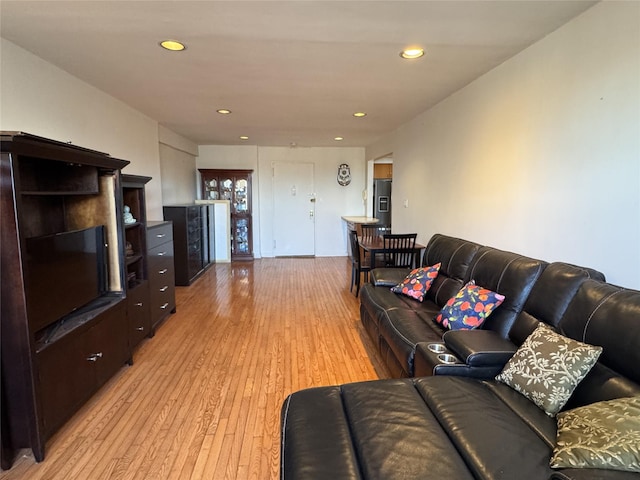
418,282
469,308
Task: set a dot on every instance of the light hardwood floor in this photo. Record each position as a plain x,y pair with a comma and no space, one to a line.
203,398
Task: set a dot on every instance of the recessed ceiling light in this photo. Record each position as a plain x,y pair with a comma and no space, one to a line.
412,53
360,114
338,138
173,45
244,137
223,111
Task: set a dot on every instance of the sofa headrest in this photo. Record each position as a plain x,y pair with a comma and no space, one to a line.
609,316
455,255
549,298
509,274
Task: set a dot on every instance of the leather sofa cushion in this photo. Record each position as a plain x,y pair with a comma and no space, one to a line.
317,436
371,430
508,274
455,256
388,277
612,315
549,298
495,441
380,299
395,434
403,329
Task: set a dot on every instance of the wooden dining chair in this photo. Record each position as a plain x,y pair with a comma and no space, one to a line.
372,230
399,250
359,265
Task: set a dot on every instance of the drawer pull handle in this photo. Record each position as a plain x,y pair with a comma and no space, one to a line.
162,254
164,289
94,357
163,307
163,271
140,329
139,304
161,235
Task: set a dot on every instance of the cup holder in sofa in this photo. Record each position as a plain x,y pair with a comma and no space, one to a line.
437,347
447,358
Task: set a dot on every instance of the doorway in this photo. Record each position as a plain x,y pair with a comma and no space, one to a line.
379,173
294,209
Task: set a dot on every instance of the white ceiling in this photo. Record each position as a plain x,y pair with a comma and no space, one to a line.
291,71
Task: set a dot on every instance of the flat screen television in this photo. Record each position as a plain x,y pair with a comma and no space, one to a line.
64,272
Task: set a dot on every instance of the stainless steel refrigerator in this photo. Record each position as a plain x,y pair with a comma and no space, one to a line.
382,201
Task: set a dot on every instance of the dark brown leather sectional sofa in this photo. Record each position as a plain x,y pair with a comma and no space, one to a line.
454,420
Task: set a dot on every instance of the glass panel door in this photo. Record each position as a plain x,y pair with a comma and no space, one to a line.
242,236
226,189
240,199
211,189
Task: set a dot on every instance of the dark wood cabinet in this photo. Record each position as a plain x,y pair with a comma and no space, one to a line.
162,297
235,186
63,308
136,262
74,367
189,241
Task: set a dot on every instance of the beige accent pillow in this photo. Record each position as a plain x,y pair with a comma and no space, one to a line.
547,368
600,435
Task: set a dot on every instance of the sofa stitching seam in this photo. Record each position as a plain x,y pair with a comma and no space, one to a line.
504,270
475,263
284,430
602,302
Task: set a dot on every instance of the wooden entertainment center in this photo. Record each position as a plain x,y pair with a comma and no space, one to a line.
66,329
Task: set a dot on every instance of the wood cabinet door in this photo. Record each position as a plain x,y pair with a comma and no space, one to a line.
108,342
67,379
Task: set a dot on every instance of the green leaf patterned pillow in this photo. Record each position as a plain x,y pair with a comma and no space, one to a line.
547,368
601,435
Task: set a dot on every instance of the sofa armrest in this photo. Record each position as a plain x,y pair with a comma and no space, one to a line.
479,348
388,277
592,474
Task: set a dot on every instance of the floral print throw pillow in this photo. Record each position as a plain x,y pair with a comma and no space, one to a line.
469,308
601,435
418,282
547,368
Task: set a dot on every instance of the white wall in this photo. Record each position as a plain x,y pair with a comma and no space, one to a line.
178,167
541,155
41,99
333,201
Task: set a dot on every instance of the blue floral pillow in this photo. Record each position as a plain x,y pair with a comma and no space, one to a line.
418,282
469,308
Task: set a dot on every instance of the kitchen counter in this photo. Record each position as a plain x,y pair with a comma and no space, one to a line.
353,223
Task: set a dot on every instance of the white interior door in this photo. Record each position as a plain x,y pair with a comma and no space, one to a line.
294,209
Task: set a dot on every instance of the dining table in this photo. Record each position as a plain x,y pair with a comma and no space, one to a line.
375,246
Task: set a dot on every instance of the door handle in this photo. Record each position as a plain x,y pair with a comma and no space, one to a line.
94,357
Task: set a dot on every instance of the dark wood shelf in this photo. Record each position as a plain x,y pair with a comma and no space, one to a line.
58,192
133,259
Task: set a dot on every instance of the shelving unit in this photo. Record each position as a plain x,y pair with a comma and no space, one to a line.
190,241
52,362
136,264
235,186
